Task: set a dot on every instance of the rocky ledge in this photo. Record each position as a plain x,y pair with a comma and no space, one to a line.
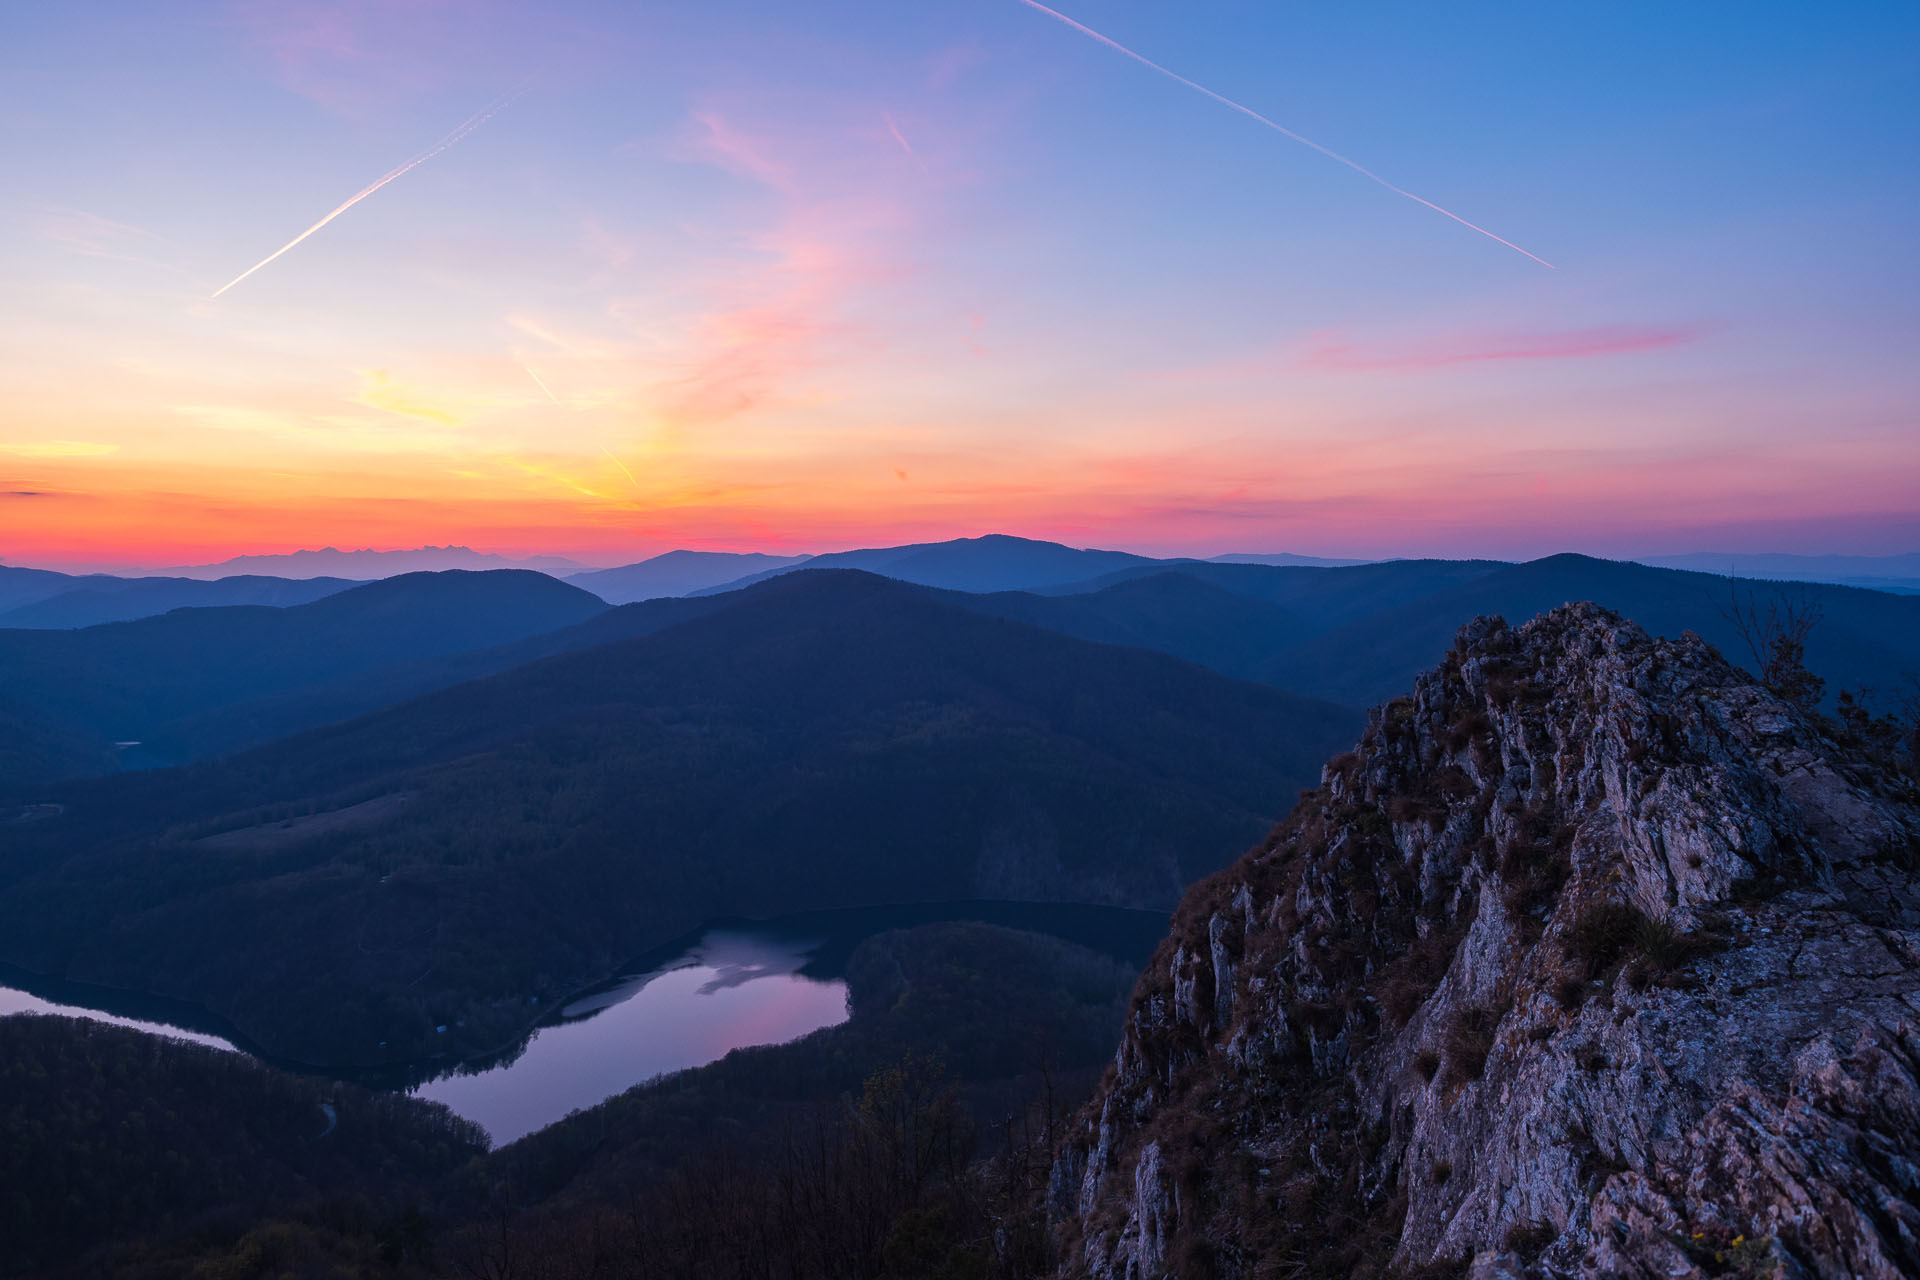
1593,959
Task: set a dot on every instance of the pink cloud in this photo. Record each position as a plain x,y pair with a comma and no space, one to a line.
1328,352
784,305
363,58
739,152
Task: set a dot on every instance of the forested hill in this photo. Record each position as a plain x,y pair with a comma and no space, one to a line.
827,739
132,681
108,1133
1360,634
124,1154
1861,638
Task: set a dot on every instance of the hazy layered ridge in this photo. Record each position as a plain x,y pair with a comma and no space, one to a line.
678,573
142,681
995,562
1863,638
1359,635
41,603
827,739
1351,634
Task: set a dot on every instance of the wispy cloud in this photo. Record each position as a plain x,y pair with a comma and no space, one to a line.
88,233
93,236
59,449
1331,352
381,390
358,57
778,305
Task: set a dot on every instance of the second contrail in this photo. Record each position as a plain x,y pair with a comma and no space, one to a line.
543,385
1281,129
471,123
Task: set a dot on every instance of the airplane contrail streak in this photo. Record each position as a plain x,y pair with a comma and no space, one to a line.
898,137
472,122
1278,128
543,385
623,468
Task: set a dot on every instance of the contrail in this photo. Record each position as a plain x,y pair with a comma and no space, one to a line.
472,122
1281,129
898,137
543,385
623,468
901,138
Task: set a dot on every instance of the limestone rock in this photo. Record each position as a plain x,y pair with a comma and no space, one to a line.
1593,959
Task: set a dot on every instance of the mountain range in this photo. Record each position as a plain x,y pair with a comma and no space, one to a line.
36,598
144,683
1588,958
680,573
1884,573
43,600
830,738
498,778
367,563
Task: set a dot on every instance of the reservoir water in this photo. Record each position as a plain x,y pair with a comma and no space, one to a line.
731,988
730,985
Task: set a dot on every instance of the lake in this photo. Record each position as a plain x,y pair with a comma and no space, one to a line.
729,985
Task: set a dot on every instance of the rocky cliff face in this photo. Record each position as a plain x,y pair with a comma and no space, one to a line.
1594,959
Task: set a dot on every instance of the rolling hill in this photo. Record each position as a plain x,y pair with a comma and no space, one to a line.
1864,638
128,682
996,562
229,727
91,601
679,573
1355,635
1171,612
21,586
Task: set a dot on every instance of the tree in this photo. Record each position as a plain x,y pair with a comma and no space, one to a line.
1776,637
1891,737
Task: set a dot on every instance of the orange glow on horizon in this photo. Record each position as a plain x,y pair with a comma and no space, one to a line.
963,274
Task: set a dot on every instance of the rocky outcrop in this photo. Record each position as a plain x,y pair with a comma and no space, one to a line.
1593,959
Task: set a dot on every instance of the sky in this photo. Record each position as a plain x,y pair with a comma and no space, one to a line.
756,275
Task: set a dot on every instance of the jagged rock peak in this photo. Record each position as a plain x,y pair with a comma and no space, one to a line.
1593,959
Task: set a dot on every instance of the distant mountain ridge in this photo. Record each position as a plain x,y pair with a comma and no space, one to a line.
1283,557
680,573
994,562
367,563
1883,573
1349,635
98,598
133,681
991,563
1864,637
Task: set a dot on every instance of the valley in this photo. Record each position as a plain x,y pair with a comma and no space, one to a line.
488,843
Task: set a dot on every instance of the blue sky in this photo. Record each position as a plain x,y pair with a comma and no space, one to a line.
824,275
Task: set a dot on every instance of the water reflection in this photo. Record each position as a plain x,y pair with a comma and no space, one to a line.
13,1000
731,989
734,984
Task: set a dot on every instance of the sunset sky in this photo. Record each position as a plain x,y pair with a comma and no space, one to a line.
756,275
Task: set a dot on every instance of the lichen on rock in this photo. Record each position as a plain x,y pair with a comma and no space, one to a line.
1594,958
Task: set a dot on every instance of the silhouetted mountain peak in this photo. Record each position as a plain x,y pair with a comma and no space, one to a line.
452,589
678,573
